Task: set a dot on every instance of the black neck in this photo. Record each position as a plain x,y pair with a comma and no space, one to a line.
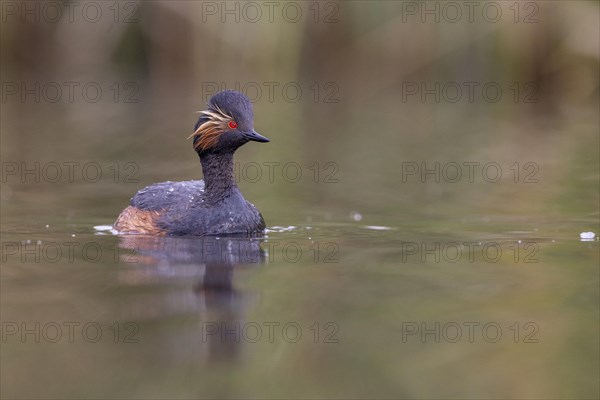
219,181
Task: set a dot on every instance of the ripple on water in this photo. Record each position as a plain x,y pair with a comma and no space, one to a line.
378,228
104,230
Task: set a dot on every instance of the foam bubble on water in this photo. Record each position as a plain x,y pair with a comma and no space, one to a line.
356,216
587,236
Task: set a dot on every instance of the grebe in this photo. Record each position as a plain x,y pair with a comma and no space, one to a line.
215,205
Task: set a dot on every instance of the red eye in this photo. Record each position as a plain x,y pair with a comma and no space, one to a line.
232,124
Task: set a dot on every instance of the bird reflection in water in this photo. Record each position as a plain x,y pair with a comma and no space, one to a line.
222,306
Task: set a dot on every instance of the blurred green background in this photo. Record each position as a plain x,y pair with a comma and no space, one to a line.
351,93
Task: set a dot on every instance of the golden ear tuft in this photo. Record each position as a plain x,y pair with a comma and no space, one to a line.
209,131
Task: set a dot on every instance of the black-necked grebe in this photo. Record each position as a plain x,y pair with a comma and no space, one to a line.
214,206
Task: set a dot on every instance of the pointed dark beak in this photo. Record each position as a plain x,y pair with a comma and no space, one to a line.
255,136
